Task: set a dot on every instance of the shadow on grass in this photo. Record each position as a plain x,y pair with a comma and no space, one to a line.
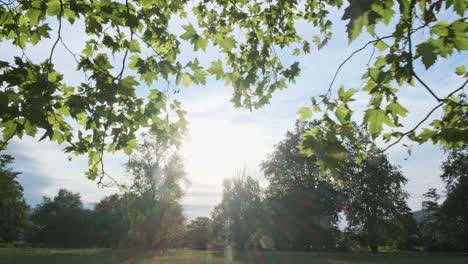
109,256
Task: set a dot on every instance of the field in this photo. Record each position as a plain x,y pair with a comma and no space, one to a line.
104,256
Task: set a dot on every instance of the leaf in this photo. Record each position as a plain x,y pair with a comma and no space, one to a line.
129,82
186,79
459,6
427,53
460,70
227,43
31,130
375,118
131,145
134,46
345,96
200,43
189,33
397,109
381,45
343,114
440,29
357,13
304,113
53,8
217,69
426,134
297,52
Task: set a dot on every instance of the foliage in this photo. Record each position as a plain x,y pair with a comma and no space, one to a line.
304,206
62,221
393,70
13,218
110,222
154,213
199,233
103,112
455,207
375,197
240,213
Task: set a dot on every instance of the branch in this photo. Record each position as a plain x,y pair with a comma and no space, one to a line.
349,58
426,117
59,32
425,86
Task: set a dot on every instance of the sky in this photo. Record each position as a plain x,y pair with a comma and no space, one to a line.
222,139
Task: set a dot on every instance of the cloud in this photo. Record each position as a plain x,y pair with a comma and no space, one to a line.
46,169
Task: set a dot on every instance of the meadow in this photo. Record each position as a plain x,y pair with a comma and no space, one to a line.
108,256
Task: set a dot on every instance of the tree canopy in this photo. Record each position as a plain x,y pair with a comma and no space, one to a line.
12,204
130,44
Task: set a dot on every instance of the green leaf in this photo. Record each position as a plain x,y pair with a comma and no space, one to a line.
131,145
297,52
440,29
345,96
200,43
375,118
227,43
343,114
134,46
217,69
381,45
427,53
460,70
304,113
426,134
397,109
459,6
31,130
186,79
189,33
53,8
357,13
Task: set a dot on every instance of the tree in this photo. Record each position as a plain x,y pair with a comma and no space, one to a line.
430,223
303,204
454,210
62,221
375,197
110,222
199,233
153,205
13,208
103,112
240,215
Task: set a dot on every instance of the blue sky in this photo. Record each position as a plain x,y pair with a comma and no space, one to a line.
223,139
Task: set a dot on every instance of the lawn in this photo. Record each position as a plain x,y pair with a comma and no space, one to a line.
104,256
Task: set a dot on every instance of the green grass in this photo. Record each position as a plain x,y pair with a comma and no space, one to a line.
104,256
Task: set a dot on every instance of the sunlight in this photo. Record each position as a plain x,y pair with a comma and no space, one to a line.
215,148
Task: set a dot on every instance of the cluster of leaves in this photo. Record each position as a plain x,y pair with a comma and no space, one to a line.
391,71
103,113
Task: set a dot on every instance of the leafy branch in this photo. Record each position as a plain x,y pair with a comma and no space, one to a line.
425,118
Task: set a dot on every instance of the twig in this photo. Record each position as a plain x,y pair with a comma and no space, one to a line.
426,117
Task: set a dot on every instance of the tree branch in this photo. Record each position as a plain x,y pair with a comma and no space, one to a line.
426,117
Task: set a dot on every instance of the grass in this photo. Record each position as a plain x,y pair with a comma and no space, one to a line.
104,256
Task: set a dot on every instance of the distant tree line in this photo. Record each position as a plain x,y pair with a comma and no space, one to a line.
301,209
